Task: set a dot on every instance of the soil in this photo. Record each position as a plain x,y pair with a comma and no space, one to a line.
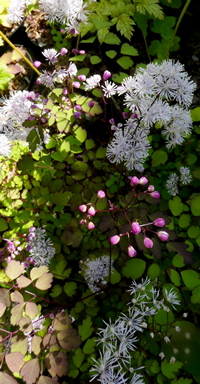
37,29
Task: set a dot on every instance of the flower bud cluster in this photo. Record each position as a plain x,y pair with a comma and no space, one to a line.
90,211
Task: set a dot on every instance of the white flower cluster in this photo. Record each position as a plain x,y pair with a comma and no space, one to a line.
160,93
65,11
173,179
94,271
40,248
119,339
16,10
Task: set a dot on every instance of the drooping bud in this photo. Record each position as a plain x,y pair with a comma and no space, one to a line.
135,227
78,107
148,243
91,211
91,104
150,188
81,52
131,251
82,208
155,194
106,75
37,64
63,51
90,225
77,114
82,77
134,180
159,222
143,180
114,240
101,194
125,115
75,51
164,236
76,84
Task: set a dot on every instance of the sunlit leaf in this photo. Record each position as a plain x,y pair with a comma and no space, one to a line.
31,310
16,297
7,379
25,324
57,363
30,371
23,281
36,344
19,343
38,271
16,313
50,342
61,321
2,309
86,329
4,296
14,269
45,380
44,281
69,339
14,361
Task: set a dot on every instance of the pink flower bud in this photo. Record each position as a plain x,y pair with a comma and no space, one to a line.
78,107
63,51
148,243
150,188
77,114
163,235
125,115
75,51
143,180
37,64
155,194
135,227
90,225
82,77
83,222
91,104
81,52
82,208
76,84
131,251
159,222
134,180
106,75
65,91
114,239
101,194
91,211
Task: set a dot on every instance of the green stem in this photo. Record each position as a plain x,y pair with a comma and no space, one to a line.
177,25
20,53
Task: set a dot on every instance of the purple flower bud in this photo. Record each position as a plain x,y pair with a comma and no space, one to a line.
37,64
75,51
62,31
112,121
81,52
76,84
28,248
63,51
101,194
163,235
91,104
78,107
47,110
90,225
31,118
91,211
25,264
155,194
148,243
43,120
38,81
114,239
65,91
150,188
135,227
82,77
143,180
124,115
82,208
77,114
83,222
159,222
134,180
32,229
73,31
131,251
106,75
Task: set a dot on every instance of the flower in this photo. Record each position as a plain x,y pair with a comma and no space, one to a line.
101,194
172,297
16,11
46,78
92,82
131,251
72,70
148,243
185,176
41,249
114,239
159,222
94,271
171,184
5,147
51,54
109,89
163,235
135,226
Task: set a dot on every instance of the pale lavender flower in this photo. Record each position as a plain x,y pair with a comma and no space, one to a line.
5,147
51,55
92,82
172,187
95,271
41,248
185,175
46,79
72,70
16,11
109,89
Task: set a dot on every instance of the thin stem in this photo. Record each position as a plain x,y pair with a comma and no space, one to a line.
177,25
20,53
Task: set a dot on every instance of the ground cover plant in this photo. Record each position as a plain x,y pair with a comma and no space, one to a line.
99,202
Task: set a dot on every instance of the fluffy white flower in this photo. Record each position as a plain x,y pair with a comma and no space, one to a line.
109,89
92,82
72,70
172,297
185,175
4,145
51,55
94,271
178,128
41,248
172,187
16,11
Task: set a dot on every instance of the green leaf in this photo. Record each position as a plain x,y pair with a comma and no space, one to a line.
182,381
80,134
79,166
127,49
176,206
124,25
115,277
118,78
175,277
164,27
89,346
195,114
100,23
111,54
78,58
195,299
169,369
89,144
195,205
101,153
193,232
159,157
56,290
112,39
184,220
95,59
125,62
178,261
150,6
134,268
78,357
70,288
60,198
86,329
153,271
191,278
3,225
